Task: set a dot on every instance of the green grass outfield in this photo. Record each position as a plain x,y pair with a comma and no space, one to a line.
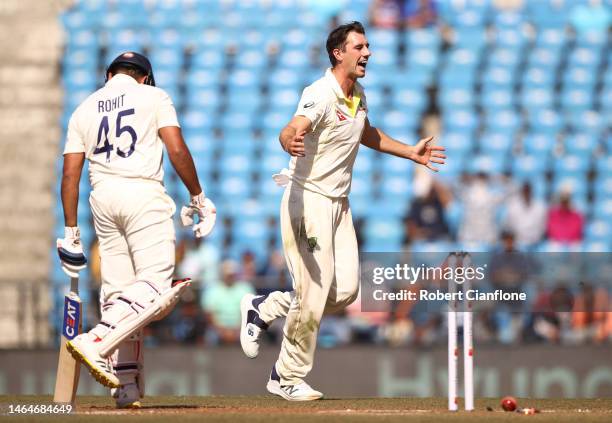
270,410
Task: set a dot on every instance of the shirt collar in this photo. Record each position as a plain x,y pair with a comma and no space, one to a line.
357,89
121,78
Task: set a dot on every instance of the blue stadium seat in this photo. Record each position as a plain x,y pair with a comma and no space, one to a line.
425,38
584,57
452,98
506,120
514,38
235,120
505,56
545,57
397,166
286,98
204,78
197,121
251,59
285,78
399,122
207,59
471,38
588,122
537,143
497,99
581,144
545,121
460,121
397,188
203,99
602,188
534,99
603,209
571,165
422,61
599,230
383,235
496,142
491,163
238,141
497,77
576,99
538,77
603,166
457,143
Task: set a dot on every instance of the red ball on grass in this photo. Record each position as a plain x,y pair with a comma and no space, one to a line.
508,403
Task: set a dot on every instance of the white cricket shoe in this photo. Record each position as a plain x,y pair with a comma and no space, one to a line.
127,396
251,324
83,349
300,392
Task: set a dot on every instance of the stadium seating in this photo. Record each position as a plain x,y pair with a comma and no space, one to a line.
534,104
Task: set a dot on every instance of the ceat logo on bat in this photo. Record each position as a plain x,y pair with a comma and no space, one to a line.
72,318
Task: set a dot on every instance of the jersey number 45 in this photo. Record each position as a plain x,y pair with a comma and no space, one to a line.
104,130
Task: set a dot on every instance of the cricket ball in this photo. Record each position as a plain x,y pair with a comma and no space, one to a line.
508,403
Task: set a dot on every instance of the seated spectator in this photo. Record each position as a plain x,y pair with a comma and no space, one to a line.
590,316
273,275
200,261
420,13
425,219
480,203
221,305
565,224
386,13
526,217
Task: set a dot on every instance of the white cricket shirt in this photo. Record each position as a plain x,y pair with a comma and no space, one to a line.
331,147
116,127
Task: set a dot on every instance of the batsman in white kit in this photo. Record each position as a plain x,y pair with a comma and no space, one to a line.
122,129
317,229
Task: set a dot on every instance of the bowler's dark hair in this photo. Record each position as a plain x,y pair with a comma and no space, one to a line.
337,38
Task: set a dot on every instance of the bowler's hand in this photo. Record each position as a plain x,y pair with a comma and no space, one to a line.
295,146
425,153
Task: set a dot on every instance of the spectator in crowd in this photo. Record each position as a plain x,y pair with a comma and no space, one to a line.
200,261
248,267
565,224
425,220
420,13
526,217
367,326
386,14
508,5
480,204
551,317
508,270
590,316
221,305
273,275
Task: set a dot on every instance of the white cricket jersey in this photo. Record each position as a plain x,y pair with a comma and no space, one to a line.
331,147
117,129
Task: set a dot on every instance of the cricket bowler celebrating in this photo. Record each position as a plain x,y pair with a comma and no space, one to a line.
122,129
316,224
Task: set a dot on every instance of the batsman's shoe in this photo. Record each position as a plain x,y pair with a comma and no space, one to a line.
251,324
127,396
300,392
83,349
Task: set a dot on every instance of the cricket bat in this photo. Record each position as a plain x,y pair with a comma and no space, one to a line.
68,369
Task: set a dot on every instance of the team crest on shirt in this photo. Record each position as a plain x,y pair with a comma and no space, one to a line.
340,115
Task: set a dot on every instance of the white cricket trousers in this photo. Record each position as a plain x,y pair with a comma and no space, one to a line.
133,222
321,252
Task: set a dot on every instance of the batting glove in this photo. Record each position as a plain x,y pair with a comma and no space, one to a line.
70,251
206,211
